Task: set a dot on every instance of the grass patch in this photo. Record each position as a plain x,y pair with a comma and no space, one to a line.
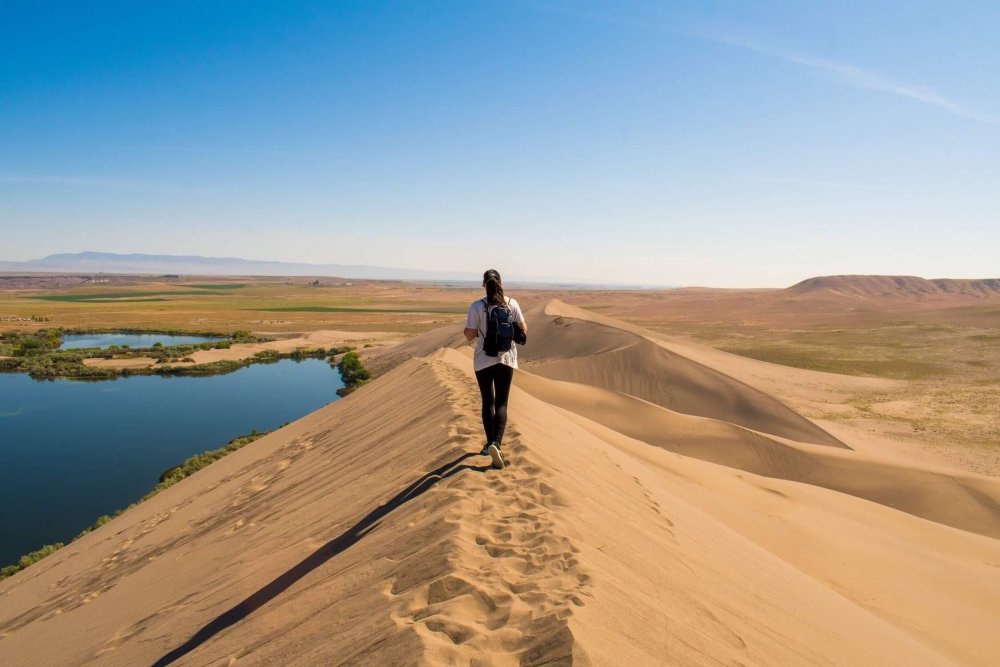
220,286
154,298
105,297
823,360
348,309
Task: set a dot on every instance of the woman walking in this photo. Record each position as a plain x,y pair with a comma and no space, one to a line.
495,323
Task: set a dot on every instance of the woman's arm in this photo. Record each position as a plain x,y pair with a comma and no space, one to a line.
519,317
471,322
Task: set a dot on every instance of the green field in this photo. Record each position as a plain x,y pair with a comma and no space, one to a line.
348,309
222,286
288,305
110,297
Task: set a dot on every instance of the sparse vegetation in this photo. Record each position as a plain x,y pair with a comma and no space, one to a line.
110,296
167,479
29,559
219,286
38,355
195,463
336,351
15,344
343,305
353,372
844,361
346,309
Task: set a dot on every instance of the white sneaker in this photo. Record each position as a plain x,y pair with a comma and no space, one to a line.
497,456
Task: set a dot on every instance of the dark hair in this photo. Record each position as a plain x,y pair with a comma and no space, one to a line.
494,288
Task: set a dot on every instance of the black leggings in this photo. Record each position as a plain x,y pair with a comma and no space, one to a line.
494,384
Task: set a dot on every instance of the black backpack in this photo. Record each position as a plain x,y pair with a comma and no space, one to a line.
499,329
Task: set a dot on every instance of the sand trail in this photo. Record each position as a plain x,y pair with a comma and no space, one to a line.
513,577
668,584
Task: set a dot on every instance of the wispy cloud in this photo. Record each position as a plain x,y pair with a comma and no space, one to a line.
856,76
850,74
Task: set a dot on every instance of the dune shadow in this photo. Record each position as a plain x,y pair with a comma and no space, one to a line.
332,548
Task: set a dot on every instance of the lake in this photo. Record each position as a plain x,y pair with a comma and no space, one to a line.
75,341
73,451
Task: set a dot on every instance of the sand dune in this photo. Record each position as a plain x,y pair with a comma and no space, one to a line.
966,501
577,346
660,509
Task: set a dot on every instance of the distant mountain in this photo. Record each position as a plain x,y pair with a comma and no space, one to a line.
112,263
902,286
105,262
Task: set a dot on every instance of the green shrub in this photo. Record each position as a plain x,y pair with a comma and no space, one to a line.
29,559
29,347
167,479
353,372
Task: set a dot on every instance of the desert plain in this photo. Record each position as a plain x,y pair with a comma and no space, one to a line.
805,475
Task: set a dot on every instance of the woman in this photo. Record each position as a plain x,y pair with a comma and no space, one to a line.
493,373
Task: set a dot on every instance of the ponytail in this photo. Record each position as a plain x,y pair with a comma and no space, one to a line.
494,288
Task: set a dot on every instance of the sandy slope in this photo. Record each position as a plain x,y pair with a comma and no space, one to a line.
684,523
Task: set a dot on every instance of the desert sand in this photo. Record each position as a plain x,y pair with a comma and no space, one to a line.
665,505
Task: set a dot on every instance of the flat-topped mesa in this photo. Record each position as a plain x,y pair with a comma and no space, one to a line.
896,286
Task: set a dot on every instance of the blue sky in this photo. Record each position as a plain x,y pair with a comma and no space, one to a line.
722,143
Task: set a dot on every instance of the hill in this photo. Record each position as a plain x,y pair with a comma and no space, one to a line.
897,286
145,264
106,262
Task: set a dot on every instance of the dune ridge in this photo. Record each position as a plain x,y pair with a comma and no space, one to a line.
572,347
963,500
261,558
626,531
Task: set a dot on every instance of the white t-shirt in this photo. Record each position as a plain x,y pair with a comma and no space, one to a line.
477,320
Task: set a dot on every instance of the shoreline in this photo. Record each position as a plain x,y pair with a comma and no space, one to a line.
225,356
353,374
